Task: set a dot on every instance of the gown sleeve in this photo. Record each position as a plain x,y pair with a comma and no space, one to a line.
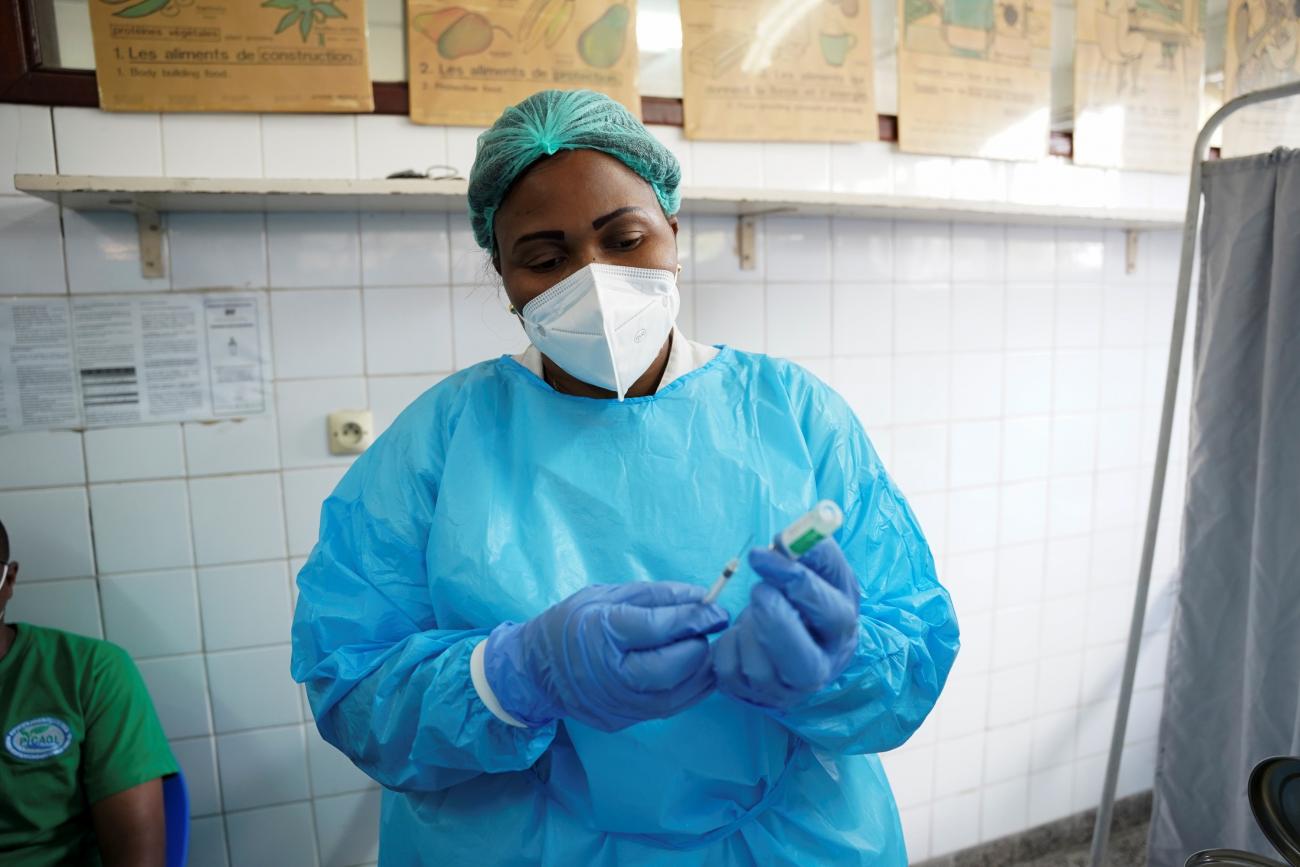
389,687
908,636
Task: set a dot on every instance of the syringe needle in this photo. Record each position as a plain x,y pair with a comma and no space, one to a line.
727,572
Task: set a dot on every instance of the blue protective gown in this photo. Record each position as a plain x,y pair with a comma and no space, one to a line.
493,497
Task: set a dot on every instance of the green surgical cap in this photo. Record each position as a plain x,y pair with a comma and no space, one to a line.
556,120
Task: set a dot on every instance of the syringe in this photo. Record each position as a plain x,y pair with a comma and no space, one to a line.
803,533
727,571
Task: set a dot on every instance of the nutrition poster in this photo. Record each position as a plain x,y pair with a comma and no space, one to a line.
1137,83
1263,36
776,69
469,61
110,360
222,55
975,77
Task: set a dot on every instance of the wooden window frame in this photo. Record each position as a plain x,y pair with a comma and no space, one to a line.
24,78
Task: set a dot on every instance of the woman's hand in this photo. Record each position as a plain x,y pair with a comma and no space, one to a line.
798,632
608,656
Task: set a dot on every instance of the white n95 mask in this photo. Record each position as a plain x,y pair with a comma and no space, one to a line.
604,324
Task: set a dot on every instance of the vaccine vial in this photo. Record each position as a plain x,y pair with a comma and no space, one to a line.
814,525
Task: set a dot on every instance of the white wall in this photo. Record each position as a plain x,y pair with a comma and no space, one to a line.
1010,377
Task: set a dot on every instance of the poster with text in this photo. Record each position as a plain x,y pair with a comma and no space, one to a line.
975,77
762,70
1137,83
1263,36
222,55
469,61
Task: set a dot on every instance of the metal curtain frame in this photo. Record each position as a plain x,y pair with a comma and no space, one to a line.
1101,830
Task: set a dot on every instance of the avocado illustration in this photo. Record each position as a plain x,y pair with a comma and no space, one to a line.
602,43
456,31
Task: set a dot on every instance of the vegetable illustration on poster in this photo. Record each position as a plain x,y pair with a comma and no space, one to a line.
974,77
1137,83
792,70
470,60
276,55
1263,50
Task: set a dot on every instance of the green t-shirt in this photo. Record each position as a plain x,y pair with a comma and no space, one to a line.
78,726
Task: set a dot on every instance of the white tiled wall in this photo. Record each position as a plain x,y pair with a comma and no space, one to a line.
1009,376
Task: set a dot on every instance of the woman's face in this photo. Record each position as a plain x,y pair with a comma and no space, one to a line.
573,209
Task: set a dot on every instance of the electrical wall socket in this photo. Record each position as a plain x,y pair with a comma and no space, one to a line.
350,431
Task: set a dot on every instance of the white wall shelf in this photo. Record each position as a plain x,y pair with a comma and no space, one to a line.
154,195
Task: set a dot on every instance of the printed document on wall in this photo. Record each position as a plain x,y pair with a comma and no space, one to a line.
118,360
219,55
975,77
1137,83
1263,50
468,62
763,70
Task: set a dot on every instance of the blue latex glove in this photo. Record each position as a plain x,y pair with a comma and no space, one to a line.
608,656
798,632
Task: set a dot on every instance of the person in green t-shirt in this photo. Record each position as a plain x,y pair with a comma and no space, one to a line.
83,754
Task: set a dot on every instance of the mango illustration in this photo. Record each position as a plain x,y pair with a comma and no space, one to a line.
456,31
545,21
601,44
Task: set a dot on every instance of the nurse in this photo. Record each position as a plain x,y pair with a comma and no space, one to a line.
503,620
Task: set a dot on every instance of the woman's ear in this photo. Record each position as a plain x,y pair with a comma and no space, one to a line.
672,221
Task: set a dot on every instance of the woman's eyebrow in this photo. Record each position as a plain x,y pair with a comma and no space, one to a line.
600,221
546,235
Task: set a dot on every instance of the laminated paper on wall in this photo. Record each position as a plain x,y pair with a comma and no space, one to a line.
790,70
975,77
470,59
1263,50
215,55
1137,83
112,360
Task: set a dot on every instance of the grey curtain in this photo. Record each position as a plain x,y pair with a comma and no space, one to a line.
1232,690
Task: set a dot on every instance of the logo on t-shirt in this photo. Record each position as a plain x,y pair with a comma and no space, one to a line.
42,738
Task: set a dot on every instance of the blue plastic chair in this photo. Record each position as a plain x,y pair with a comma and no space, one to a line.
176,808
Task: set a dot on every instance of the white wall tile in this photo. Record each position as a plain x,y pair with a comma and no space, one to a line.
123,454
1078,316
1011,695
1076,380
1122,374
317,333
31,459
1028,384
483,327
1015,635
1004,808
405,249
314,249
970,577
49,532
69,605
730,313
389,395
1068,562
198,760
462,145
1025,443
1080,255
237,518
972,519
309,146
977,385
955,823
929,177
332,773
978,253
141,526
93,142
1029,311
922,317
921,389
179,690
1005,754
304,493
217,250
240,446
302,407
920,458
862,167
208,843
103,253
798,249
798,319
1020,575
347,827
408,330
1070,506
922,252
862,320
959,762
212,145
31,246
979,180
388,143
252,689
867,385
862,251
245,605
715,257
470,264
26,143
964,706
977,317
273,837
1024,512
727,164
800,166
1074,443
916,832
911,774
262,767
151,613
